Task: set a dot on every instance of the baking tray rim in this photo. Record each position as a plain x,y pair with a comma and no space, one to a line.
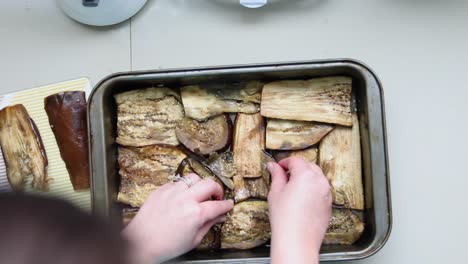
366,252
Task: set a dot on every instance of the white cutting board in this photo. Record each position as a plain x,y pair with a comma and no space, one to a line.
33,100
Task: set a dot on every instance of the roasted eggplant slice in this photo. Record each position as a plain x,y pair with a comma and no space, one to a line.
144,169
22,147
248,144
344,229
199,167
325,100
340,160
223,164
67,119
205,137
258,188
202,102
247,226
291,135
309,154
147,117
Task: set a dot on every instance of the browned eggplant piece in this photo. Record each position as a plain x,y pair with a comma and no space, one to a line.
248,144
309,154
223,164
292,135
258,188
148,116
325,100
205,137
144,169
67,118
340,160
247,226
344,229
23,150
202,102
199,167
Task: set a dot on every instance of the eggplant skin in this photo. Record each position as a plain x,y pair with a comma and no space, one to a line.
205,137
67,118
247,226
23,150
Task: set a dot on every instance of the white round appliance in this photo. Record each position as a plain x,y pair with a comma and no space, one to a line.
101,12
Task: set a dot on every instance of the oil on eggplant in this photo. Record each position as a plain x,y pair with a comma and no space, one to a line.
205,137
23,150
148,116
292,135
326,100
67,118
205,101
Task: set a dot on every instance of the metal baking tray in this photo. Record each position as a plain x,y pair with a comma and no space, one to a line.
369,98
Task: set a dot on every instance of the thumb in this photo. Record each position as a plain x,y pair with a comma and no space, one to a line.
278,176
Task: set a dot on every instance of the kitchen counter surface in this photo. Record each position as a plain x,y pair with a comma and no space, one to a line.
417,48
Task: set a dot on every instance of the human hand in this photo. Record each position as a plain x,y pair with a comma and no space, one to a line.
174,219
300,210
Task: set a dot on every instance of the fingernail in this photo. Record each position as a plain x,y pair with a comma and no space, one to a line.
222,219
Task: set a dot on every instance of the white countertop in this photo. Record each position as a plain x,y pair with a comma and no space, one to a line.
418,48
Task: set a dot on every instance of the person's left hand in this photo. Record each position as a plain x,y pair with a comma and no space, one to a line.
175,218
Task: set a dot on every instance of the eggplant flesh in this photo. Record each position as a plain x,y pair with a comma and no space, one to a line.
148,116
248,144
67,118
344,229
144,169
205,137
246,226
326,100
309,154
340,160
258,188
293,135
23,150
201,103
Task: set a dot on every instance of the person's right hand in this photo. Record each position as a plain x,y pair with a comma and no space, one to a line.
300,210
